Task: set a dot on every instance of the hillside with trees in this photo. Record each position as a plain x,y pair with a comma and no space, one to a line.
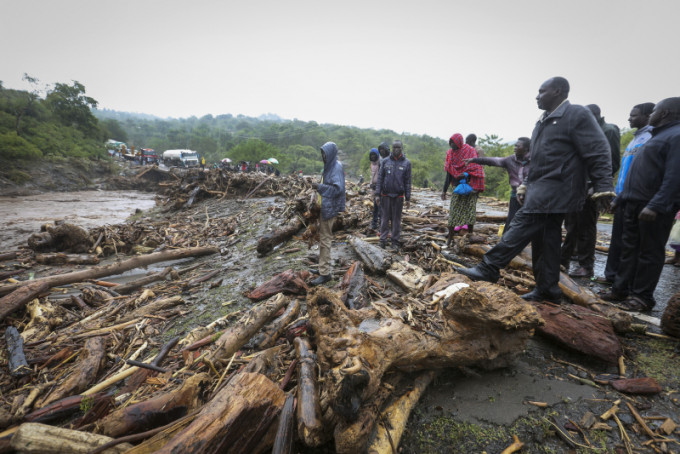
61,121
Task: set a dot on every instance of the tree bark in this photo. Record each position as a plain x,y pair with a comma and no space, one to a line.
289,282
270,240
44,439
20,296
267,338
61,258
18,366
237,420
377,260
483,325
240,333
157,411
83,374
310,428
285,434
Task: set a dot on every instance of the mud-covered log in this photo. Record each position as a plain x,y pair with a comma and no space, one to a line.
353,285
289,282
18,366
396,416
409,277
239,418
267,338
580,329
84,373
481,325
577,294
270,240
63,408
310,427
44,439
377,260
114,268
61,258
351,437
19,296
157,411
285,432
8,256
250,323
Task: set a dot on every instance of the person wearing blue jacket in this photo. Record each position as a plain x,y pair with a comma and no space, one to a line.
332,192
651,194
392,189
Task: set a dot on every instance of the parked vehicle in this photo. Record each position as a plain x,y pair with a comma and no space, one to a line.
180,158
149,156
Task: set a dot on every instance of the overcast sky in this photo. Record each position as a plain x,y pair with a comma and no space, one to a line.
422,67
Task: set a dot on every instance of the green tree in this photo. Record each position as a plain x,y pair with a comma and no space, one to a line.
72,107
252,150
496,178
114,130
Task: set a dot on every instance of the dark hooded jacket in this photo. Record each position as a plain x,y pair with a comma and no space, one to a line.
394,177
654,175
566,148
332,188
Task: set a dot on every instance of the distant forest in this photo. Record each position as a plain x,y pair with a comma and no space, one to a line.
62,121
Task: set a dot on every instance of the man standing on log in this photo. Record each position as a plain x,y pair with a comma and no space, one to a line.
392,189
651,194
567,145
332,193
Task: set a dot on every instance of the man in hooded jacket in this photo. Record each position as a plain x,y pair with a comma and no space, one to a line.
332,193
392,189
567,145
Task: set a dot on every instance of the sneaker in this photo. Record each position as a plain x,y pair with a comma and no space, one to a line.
582,271
465,227
602,280
457,228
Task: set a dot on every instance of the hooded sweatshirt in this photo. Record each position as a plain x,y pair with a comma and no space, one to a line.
332,189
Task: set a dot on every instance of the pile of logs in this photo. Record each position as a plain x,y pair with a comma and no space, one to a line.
100,372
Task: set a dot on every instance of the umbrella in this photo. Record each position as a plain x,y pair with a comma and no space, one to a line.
264,161
273,160
226,160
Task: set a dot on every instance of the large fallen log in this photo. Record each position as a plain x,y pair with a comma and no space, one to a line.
577,294
267,338
43,439
83,374
8,305
310,428
353,285
270,240
250,323
377,260
61,258
116,268
19,297
238,419
580,329
289,282
156,411
481,325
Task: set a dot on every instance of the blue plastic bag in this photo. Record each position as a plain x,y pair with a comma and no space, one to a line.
463,188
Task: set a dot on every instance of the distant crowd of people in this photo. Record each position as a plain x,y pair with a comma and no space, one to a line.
561,176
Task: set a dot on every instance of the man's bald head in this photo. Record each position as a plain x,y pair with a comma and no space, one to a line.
666,111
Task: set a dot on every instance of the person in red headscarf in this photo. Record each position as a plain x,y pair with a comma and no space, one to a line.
463,208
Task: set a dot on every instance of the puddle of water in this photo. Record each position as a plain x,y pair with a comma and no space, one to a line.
23,215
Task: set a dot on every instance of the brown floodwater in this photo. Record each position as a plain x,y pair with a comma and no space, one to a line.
22,216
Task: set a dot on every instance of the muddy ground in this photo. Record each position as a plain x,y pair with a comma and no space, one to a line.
464,410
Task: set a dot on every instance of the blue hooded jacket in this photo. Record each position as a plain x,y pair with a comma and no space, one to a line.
332,189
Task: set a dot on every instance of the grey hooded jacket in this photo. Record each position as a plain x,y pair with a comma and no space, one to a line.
332,189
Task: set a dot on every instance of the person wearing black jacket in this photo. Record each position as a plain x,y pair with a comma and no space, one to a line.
392,190
581,227
651,194
567,145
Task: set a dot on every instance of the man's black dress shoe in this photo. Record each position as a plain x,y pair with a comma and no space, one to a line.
476,274
322,279
537,295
